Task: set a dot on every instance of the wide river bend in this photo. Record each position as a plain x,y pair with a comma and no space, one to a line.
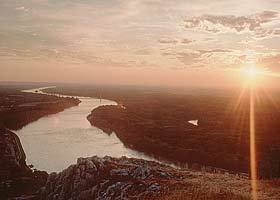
54,142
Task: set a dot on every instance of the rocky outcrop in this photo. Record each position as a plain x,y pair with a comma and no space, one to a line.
109,178
128,178
16,178
11,154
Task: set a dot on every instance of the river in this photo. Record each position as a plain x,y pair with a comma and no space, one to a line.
54,142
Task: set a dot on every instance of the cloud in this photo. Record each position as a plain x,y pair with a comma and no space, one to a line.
270,61
167,41
175,41
266,16
214,51
199,58
142,52
225,23
277,32
22,8
263,33
188,58
186,41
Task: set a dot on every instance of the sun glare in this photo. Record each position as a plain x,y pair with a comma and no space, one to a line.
252,74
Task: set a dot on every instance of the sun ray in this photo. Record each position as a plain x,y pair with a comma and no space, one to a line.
273,74
271,99
252,76
240,97
253,164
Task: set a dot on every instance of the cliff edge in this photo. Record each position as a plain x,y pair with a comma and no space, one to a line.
129,178
16,178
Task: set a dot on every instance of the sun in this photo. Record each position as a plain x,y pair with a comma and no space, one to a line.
252,74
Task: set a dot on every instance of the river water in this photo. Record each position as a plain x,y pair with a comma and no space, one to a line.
54,142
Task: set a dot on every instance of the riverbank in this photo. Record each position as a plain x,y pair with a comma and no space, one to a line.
18,109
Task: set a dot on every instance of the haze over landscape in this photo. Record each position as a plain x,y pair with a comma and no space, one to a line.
177,43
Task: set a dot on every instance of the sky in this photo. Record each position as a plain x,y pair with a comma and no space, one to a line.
145,42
